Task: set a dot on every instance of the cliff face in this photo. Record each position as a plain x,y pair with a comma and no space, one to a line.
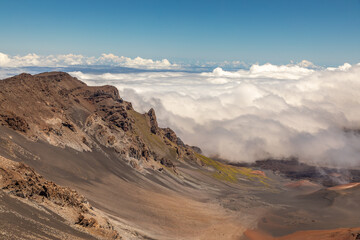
68,113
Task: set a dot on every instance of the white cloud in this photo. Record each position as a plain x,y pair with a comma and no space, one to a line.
268,110
110,59
307,64
344,67
137,62
4,59
264,71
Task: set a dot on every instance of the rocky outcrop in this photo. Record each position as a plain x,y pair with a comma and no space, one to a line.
15,122
171,135
196,149
151,116
21,181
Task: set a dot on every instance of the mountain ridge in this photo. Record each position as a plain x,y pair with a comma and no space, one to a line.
72,114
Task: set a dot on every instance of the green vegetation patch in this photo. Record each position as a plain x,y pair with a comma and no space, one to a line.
230,173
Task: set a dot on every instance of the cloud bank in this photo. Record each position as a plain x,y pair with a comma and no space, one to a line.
262,111
34,60
265,111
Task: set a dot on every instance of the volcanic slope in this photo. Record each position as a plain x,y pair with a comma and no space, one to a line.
139,178
143,177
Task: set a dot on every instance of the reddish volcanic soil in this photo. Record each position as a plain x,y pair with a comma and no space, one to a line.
258,172
334,234
302,184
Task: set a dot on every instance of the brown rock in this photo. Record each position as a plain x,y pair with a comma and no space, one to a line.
154,128
166,162
17,123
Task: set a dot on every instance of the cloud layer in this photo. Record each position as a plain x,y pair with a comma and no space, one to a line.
34,60
262,111
266,111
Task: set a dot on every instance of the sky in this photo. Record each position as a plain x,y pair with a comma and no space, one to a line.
243,80
325,32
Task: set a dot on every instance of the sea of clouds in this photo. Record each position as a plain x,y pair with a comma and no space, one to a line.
279,111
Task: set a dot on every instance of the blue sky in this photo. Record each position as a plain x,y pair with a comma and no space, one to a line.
325,32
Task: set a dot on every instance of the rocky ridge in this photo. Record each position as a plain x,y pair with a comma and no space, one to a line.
72,114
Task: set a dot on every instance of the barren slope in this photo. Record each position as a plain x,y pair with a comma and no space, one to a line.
142,177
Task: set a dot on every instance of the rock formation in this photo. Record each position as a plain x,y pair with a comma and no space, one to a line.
22,181
72,114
